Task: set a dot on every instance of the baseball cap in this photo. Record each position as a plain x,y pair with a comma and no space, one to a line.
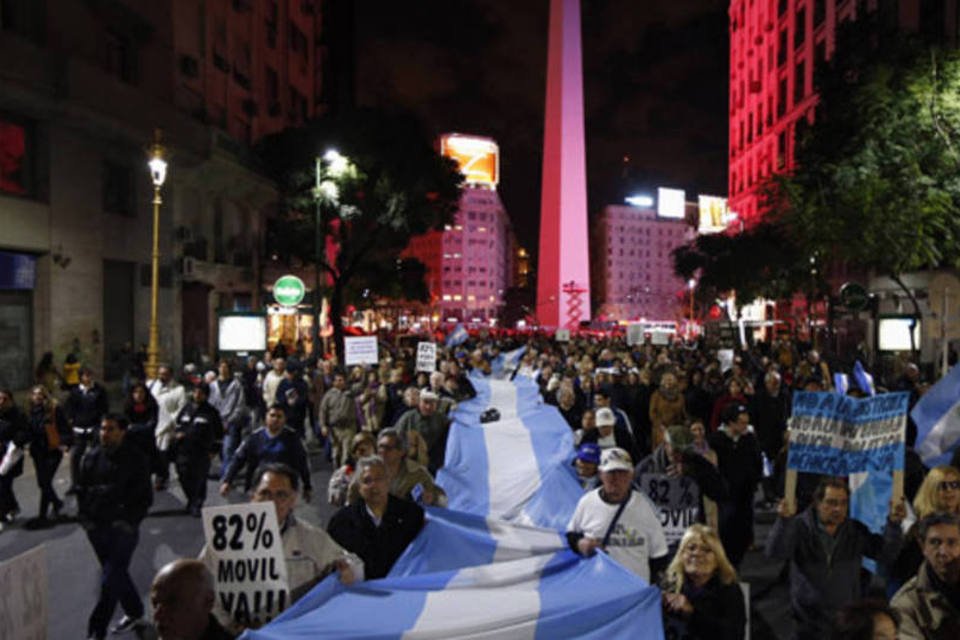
679,436
605,417
589,452
732,411
615,459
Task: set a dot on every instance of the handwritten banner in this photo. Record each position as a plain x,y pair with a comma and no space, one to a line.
677,500
426,357
251,571
360,350
840,435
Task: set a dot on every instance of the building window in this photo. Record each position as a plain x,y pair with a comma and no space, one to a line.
298,44
782,97
819,12
16,152
782,48
120,56
118,189
799,90
800,28
781,7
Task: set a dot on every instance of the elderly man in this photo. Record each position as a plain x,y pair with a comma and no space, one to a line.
379,526
619,520
171,397
310,553
338,418
431,425
825,549
929,604
272,380
182,598
403,474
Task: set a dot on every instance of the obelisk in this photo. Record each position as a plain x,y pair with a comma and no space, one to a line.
563,277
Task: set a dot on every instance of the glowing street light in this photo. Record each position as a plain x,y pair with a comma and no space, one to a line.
158,174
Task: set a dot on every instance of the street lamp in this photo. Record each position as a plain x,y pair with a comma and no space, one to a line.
158,174
691,284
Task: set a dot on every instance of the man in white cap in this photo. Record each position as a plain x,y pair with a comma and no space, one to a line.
619,520
430,424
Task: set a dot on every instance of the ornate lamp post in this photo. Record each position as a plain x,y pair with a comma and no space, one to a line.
158,173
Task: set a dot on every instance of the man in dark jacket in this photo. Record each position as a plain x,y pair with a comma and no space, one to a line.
294,396
826,550
769,410
273,442
741,467
378,527
113,494
197,428
85,407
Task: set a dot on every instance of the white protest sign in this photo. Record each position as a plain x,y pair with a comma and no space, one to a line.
634,334
677,500
426,357
249,569
660,338
361,350
725,356
563,335
23,601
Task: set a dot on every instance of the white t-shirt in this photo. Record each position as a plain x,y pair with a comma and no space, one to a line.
637,537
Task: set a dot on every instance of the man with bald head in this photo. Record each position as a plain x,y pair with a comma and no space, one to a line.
181,598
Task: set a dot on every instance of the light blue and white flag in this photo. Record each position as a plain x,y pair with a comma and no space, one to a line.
506,363
937,416
864,379
458,336
841,382
544,596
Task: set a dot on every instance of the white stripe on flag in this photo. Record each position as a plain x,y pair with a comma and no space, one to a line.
463,610
503,396
512,471
515,541
944,433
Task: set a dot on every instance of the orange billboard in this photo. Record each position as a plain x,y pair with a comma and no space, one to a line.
478,158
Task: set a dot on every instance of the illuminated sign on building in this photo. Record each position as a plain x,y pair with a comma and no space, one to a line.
713,214
671,203
478,158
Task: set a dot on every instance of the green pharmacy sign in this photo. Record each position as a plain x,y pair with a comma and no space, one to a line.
289,290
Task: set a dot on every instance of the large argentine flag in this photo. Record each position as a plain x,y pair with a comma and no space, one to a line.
496,563
937,416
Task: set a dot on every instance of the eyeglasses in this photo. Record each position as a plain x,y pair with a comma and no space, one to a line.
949,484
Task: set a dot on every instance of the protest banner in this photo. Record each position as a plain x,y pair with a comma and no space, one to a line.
23,600
562,335
360,350
725,356
249,568
839,435
634,334
677,500
426,357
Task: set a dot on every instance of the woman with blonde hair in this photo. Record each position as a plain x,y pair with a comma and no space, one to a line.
701,596
49,437
939,493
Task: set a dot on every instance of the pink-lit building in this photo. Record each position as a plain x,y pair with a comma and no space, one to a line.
775,47
470,263
632,264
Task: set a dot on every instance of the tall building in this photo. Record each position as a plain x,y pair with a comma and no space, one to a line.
470,263
775,47
83,85
632,260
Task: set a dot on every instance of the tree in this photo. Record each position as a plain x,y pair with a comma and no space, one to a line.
762,261
877,181
384,184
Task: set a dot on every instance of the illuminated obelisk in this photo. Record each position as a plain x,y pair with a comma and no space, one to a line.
563,276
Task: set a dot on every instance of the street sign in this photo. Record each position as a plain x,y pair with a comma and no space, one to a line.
289,290
853,296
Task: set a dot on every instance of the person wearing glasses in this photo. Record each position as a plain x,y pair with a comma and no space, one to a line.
826,549
939,493
701,596
273,442
311,554
403,474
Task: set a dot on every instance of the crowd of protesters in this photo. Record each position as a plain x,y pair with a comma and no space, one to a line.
676,410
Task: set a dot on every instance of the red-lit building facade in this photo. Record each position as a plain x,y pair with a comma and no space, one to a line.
775,47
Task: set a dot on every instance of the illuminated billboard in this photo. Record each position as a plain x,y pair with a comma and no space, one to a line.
671,203
713,214
478,158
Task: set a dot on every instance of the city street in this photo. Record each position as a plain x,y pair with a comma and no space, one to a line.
168,534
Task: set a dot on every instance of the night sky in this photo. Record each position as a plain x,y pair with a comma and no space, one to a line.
655,84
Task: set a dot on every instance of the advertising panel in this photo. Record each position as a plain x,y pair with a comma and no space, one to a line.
671,203
478,158
242,333
713,214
